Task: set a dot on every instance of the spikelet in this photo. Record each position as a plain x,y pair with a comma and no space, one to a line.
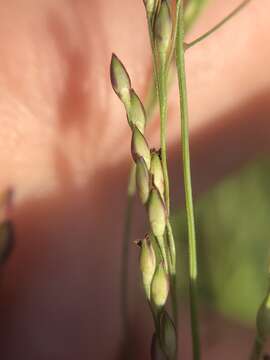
142,180
157,213
163,32
139,147
147,264
159,287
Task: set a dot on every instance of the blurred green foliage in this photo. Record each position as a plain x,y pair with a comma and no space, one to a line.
233,232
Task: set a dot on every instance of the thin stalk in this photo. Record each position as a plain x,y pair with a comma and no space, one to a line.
172,250
163,106
257,349
193,273
219,25
161,77
173,285
164,254
161,81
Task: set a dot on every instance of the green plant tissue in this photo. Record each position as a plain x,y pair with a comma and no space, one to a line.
233,233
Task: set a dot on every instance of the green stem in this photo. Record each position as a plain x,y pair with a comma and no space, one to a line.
193,273
257,349
163,106
219,25
162,247
171,246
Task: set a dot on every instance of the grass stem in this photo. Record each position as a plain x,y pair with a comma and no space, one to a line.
193,273
163,104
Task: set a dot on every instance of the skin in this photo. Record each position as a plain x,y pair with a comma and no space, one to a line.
65,150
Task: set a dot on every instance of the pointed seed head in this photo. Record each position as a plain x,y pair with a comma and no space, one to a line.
142,180
157,213
120,80
168,335
263,319
157,172
163,31
136,113
159,287
147,264
139,147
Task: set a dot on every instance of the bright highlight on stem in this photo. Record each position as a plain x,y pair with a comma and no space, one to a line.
193,273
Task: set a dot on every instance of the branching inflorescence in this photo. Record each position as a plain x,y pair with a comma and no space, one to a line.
156,258
150,179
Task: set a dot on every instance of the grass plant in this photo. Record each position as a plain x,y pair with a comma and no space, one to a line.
167,26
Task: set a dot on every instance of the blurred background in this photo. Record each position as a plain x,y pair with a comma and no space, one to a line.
233,242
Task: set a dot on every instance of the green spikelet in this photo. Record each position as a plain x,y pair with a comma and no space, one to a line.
163,31
159,287
157,213
157,172
150,6
120,81
142,180
139,147
136,113
147,264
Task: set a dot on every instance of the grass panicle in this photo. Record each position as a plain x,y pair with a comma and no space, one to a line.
157,254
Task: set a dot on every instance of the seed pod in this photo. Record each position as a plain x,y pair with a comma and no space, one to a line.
120,80
156,351
147,264
6,240
159,287
139,147
157,172
163,31
157,213
142,180
168,335
263,319
136,113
